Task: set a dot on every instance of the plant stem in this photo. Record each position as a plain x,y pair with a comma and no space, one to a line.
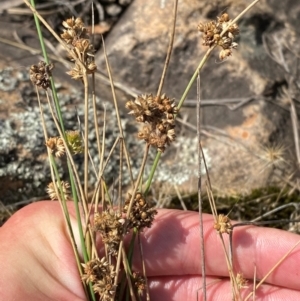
153,168
169,52
199,68
44,51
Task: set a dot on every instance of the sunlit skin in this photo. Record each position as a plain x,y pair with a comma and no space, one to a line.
37,262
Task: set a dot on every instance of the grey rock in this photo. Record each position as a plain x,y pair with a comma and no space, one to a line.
6,82
24,167
113,10
125,2
238,142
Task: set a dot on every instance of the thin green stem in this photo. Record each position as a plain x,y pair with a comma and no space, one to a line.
183,97
40,35
240,15
130,294
75,197
131,246
44,51
86,256
192,80
153,168
54,176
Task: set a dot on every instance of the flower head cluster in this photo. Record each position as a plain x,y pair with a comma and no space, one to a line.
75,142
76,35
110,225
213,34
241,281
139,282
65,186
40,74
223,224
74,31
141,214
56,146
101,275
158,114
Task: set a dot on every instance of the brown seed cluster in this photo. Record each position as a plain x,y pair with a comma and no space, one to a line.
241,281
139,282
212,35
40,74
101,275
74,142
110,226
223,224
141,214
56,146
76,35
158,114
65,190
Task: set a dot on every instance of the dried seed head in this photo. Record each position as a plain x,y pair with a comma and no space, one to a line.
234,29
241,281
70,23
65,190
149,108
91,68
159,115
75,30
223,224
40,74
83,45
225,53
110,225
76,35
101,275
141,214
74,142
68,36
76,73
56,146
212,34
139,282
225,42
223,18
273,156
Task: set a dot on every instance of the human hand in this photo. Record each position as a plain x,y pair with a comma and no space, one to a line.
37,261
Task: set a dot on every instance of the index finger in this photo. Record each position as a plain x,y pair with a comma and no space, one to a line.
172,247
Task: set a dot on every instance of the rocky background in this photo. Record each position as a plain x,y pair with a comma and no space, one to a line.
250,102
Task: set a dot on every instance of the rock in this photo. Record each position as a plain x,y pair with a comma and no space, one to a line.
125,2
24,166
113,10
239,143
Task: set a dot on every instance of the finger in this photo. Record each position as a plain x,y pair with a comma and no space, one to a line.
190,288
36,258
172,247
